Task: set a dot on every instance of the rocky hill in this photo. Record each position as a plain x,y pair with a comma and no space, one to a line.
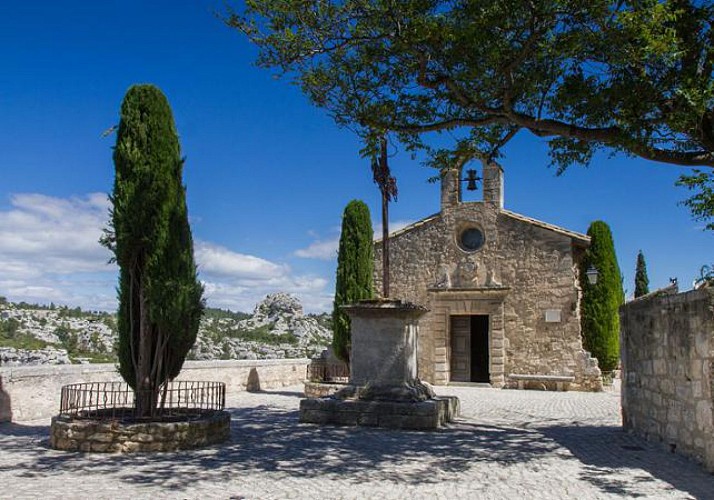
278,328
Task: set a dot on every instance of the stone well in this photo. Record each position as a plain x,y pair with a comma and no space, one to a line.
101,417
384,390
116,436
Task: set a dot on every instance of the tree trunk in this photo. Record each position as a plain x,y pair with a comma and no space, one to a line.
144,389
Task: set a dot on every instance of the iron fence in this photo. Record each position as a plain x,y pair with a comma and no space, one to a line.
117,400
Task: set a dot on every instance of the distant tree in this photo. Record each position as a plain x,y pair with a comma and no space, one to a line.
355,264
642,282
600,303
160,297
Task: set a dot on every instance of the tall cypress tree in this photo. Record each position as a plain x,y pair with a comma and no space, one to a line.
160,297
600,318
355,264
642,282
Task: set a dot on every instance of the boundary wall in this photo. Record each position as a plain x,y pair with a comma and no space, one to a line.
33,392
667,371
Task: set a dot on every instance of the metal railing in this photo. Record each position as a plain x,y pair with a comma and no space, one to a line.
117,400
321,371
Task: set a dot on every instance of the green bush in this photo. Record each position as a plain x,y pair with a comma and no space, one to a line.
355,264
160,302
600,319
10,336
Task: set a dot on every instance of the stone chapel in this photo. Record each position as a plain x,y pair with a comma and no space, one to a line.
502,291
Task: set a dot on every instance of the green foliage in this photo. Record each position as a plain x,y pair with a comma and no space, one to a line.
600,302
212,313
701,204
66,312
323,319
160,302
355,264
483,71
642,282
10,336
68,338
706,276
264,335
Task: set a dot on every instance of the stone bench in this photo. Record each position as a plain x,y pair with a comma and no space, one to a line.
543,382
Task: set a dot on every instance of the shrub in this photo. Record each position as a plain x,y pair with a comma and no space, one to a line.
355,264
600,319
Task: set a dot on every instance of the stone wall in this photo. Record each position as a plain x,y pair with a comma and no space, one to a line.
29,393
110,436
667,361
524,269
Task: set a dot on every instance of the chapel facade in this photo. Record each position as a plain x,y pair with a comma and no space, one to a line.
502,291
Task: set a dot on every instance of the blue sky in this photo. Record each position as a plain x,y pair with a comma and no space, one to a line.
267,174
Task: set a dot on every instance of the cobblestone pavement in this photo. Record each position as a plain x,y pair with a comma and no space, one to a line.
506,445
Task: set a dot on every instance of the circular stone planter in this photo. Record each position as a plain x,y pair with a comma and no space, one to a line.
117,436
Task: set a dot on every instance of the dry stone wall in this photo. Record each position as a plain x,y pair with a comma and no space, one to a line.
667,361
29,393
109,436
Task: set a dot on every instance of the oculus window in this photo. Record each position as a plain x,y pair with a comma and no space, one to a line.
471,239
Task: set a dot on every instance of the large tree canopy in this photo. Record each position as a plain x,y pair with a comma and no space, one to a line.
633,76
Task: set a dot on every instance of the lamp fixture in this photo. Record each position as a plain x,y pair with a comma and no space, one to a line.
592,275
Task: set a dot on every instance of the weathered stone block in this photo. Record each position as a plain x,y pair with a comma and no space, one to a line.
99,437
401,415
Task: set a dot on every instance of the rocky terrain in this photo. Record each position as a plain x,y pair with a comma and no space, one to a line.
278,328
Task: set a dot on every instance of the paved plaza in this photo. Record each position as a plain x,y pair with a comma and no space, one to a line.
507,444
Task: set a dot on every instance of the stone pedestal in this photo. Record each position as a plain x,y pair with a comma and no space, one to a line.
384,390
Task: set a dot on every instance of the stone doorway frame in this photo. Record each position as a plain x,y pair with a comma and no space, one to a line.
487,301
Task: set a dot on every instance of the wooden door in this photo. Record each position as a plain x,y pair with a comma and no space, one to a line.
461,348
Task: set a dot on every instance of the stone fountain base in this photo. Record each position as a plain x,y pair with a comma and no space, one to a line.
406,406
417,415
384,390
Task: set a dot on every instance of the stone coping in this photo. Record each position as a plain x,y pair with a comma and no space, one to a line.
9,372
547,378
491,290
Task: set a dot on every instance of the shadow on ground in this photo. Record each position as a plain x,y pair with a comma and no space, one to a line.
270,439
266,438
603,450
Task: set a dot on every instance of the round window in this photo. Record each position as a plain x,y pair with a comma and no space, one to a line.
471,239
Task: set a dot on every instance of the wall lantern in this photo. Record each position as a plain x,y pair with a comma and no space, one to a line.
592,275
471,179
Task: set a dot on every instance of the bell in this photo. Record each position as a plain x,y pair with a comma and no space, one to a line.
471,179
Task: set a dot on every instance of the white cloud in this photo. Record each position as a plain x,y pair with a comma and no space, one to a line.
326,249
394,226
49,252
238,281
217,260
320,249
42,234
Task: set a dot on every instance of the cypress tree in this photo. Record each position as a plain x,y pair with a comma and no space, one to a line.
160,297
642,282
355,264
600,303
